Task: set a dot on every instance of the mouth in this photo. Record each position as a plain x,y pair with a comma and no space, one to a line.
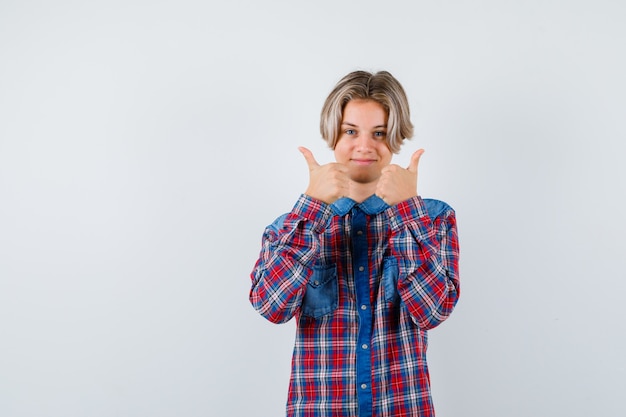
364,162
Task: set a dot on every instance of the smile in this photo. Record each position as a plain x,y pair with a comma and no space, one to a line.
363,161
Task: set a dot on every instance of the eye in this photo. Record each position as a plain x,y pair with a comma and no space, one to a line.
350,132
380,134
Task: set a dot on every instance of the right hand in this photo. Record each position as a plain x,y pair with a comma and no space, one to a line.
327,183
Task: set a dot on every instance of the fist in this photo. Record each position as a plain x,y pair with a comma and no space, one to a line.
327,182
397,184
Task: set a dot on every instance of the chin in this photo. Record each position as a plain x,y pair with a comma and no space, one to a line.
364,174
364,179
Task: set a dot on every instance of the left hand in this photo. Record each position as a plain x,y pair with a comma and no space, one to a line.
397,184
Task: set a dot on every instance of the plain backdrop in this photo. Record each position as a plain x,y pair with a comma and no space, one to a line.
145,145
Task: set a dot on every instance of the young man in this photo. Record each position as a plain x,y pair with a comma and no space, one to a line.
364,264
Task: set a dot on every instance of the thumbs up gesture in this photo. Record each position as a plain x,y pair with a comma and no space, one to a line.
326,182
397,184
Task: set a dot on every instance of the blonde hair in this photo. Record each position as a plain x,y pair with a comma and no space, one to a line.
380,87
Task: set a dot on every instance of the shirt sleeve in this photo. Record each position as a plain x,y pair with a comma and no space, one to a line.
427,250
290,247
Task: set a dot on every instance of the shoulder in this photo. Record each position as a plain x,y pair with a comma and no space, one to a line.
278,223
437,208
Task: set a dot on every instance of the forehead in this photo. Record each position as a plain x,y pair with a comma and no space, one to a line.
364,111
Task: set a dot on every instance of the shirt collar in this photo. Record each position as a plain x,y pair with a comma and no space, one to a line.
372,205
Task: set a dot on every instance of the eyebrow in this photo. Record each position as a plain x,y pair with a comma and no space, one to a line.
353,125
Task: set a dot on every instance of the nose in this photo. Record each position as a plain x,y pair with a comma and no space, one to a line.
364,143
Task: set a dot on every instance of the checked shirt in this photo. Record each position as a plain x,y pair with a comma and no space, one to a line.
365,281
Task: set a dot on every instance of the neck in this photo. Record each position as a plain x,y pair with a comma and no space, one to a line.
360,192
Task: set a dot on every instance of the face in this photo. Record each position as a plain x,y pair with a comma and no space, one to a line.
362,144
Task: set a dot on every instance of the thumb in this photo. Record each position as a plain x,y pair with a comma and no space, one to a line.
415,158
310,159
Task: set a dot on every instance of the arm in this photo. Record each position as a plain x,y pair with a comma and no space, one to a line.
290,248
427,251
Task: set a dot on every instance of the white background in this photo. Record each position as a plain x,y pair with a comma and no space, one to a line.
145,145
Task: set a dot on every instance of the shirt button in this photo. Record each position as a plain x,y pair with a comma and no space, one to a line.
364,345
359,232
361,268
363,386
316,282
363,307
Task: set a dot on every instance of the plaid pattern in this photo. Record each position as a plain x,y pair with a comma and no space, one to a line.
365,282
